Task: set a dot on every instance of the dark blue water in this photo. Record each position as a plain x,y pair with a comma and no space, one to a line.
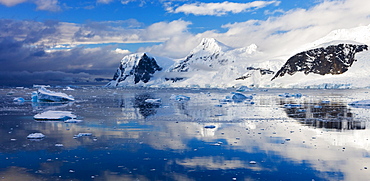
258,139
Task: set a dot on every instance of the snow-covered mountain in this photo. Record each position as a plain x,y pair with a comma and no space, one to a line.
338,62
334,59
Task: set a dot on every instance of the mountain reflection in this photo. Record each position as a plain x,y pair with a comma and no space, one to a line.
145,108
323,115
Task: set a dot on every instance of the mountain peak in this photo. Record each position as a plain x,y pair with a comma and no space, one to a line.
210,45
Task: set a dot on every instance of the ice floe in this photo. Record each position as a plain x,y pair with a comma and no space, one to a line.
287,95
210,126
179,97
54,116
73,121
18,99
360,104
36,136
153,101
45,95
236,97
82,134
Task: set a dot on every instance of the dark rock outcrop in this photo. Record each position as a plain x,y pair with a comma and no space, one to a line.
141,67
334,59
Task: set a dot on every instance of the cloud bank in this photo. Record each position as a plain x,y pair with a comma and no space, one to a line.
45,5
220,9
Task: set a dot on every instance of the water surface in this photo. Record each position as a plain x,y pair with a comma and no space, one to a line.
313,137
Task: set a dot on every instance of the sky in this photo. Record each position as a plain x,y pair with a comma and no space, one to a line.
64,41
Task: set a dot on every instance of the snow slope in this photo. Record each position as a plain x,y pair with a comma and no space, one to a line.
213,64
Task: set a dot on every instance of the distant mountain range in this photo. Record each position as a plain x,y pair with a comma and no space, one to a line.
340,61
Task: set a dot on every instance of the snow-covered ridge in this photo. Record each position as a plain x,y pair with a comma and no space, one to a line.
136,67
338,60
334,59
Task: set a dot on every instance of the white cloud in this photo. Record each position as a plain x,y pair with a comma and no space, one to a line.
219,9
121,51
282,35
11,2
46,5
104,1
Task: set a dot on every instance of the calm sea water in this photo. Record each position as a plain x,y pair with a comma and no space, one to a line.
313,137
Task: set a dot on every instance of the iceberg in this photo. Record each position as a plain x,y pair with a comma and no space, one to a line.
18,99
360,104
54,116
73,121
179,97
44,95
35,136
82,134
238,97
153,101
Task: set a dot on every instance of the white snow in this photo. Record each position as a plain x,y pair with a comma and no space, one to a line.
54,115
36,136
45,95
213,64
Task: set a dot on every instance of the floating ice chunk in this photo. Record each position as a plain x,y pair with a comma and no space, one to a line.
54,115
238,97
35,136
18,99
252,162
210,126
179,97
153,101
82,134
73,121
44,95
244,89
292,105
360,104
59,145
287,95
68,88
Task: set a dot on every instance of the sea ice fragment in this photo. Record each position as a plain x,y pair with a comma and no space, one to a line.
36,136
54,115
44,95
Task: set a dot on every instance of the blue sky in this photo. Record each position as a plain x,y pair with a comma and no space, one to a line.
80,39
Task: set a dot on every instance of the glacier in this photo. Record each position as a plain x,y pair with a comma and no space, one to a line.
336,61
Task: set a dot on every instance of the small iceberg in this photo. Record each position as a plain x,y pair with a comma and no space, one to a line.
179,97
210,126
73,121
287,95
360,104
237,97
54,116
82,134
18,99
44,95
36,136
292,106
244,89
153,101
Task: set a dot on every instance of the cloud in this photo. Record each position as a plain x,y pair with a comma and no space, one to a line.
104,1
219,9
11,2
45,5
280,35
